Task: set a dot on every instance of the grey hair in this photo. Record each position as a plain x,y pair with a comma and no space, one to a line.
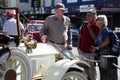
103,19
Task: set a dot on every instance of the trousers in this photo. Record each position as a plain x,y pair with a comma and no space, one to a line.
91,72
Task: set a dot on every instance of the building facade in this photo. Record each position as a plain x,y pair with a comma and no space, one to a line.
75,9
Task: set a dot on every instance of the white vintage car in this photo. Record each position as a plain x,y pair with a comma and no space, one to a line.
41,64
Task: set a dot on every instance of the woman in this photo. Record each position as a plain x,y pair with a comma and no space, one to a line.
102,40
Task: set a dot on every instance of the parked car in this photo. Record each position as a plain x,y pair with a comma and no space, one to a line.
34,29
75,31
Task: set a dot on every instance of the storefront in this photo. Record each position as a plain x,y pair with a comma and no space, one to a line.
111,8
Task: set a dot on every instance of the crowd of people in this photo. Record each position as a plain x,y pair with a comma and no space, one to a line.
93,36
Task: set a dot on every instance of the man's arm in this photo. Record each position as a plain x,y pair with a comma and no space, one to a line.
4,31
69,35
22,28
44,30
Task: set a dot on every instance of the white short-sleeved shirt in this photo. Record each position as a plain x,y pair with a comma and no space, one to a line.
10,26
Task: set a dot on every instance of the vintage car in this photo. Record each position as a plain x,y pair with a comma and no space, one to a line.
42,64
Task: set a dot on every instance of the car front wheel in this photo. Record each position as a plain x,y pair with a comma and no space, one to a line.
16,67
74,75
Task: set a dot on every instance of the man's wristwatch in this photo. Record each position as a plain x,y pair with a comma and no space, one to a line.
97,48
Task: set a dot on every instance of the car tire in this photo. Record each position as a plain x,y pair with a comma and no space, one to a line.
15,67
74,75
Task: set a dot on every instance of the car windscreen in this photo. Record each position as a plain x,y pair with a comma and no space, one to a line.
34,27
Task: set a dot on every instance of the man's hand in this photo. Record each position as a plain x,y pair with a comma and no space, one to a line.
93,49
69,47
44,38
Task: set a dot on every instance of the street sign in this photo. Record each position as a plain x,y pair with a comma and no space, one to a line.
85,8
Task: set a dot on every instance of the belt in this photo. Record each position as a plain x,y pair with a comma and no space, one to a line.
56,43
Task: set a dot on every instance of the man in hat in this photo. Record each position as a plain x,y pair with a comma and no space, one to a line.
10,25
57,29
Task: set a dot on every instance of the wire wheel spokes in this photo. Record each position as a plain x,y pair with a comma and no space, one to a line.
17,67
74,75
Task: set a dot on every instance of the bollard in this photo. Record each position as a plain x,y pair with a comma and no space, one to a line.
108,71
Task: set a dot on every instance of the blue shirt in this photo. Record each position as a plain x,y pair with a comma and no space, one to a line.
104,34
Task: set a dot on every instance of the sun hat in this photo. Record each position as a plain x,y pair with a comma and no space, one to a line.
60,6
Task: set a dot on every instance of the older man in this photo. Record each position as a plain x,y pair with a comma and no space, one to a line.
57,29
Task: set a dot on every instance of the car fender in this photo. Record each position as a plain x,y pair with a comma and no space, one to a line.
57,70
